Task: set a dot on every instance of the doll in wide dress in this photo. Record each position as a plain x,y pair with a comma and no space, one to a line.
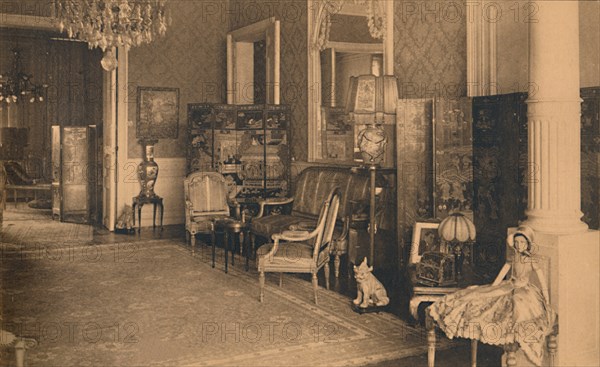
507,311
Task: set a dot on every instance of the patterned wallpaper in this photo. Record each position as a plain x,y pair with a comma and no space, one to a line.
27,7
350,28
294,58
191,57
430,48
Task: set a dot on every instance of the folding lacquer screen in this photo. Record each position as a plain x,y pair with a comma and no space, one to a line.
74,173
434,155
414,162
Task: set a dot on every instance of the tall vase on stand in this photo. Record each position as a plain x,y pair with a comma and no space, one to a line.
147,170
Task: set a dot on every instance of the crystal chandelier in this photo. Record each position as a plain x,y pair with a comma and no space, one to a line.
17,85
109,24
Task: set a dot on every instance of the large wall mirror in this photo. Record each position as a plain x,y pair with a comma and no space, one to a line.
341,45
253,59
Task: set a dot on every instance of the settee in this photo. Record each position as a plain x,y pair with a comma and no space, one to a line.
310,190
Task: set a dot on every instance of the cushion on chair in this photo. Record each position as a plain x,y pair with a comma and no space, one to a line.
266,226
204,224
296,254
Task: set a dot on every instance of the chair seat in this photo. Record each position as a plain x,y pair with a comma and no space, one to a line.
204,224
266,226
292,255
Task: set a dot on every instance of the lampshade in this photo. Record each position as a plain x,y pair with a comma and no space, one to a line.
372,99
457,227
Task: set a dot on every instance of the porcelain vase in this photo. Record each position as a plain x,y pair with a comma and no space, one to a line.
148,173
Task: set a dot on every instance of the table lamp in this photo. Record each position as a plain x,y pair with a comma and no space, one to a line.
456,230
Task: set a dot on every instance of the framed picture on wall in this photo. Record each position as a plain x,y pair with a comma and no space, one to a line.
158,113
425,238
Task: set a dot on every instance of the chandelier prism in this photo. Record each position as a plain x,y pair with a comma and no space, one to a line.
108,24
17,85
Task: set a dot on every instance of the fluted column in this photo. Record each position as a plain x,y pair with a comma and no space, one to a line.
553,111
568,251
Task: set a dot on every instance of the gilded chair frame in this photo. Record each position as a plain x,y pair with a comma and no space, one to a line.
206,200
275,257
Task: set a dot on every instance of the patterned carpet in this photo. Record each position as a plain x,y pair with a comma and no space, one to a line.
153,304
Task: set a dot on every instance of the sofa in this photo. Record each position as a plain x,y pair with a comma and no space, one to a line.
310,189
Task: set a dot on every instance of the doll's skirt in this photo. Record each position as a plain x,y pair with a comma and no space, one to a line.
498,315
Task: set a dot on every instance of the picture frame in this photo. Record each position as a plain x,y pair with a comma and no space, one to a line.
420,230
157,113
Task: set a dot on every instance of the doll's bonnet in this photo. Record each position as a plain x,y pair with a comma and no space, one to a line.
524,231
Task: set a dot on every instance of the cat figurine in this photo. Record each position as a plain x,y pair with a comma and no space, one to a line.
370,291
125,220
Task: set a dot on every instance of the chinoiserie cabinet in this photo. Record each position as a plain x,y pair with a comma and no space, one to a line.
248,144
74,180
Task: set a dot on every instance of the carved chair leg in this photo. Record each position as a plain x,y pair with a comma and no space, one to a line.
474,353
20,352
261,282
336,265
20,346
193,243
430,326
252,243
315,283
327,270
510,351
552,345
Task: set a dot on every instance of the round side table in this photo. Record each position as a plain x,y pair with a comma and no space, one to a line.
231,229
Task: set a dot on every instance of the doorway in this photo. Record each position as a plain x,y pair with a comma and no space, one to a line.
71,78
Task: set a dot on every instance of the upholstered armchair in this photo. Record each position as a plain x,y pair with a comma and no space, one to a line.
206,200
299,251
312,186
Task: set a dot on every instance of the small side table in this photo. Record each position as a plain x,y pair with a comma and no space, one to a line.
139,201
232,227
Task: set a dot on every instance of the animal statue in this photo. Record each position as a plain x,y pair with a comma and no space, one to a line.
370,291
125,220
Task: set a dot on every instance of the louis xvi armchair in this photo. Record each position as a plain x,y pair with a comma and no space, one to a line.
300,251
206,201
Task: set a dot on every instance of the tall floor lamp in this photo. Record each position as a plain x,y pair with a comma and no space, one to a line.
372,102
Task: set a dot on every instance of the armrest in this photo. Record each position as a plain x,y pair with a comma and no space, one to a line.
271,202
294,235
